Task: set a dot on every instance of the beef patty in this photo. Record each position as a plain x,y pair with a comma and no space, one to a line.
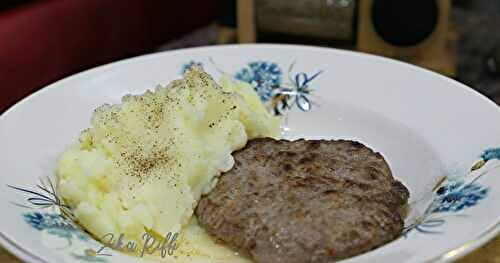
305,201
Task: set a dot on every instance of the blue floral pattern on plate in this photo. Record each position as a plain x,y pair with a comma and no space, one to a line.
264,76
449,200
295,94
53,217
491,154
278,92
283,94
55,224
456,196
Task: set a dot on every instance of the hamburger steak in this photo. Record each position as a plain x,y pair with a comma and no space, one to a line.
305,201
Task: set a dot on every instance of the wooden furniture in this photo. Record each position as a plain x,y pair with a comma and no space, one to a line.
43,41
245,16
436,52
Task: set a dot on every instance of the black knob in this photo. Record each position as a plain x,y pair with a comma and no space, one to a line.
405,23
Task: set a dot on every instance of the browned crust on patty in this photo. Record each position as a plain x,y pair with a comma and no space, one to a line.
305,201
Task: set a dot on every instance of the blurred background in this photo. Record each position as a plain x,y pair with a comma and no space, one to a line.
42,41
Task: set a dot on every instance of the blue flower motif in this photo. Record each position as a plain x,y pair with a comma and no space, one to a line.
41,221
490,154
264,76
456,196
55,224
452,198
190,64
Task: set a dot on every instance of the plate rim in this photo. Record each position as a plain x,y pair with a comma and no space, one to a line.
24,254
133,59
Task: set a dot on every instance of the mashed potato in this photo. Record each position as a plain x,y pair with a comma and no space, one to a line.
143,164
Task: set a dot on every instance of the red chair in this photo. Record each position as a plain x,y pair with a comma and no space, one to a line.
43,41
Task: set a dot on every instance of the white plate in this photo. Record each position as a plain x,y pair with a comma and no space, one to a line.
427,127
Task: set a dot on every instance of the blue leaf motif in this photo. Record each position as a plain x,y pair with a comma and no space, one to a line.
55,224
491,154
264,76
303,102
285,98
35,220
302,81
455,197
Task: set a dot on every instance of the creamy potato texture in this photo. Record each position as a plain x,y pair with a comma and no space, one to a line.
143,164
